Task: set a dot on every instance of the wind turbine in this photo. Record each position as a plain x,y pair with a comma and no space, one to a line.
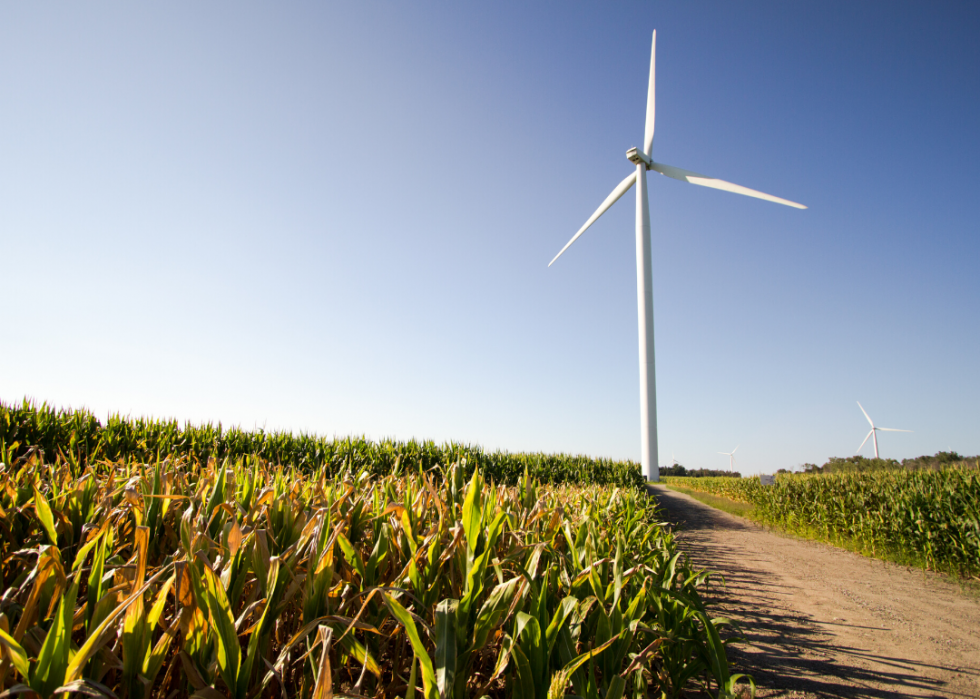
874,431
731,458
644,274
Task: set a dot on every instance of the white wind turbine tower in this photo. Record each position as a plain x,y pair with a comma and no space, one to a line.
874,431
644,274
731,458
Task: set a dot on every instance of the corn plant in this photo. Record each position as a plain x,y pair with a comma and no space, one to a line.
245,578
79,437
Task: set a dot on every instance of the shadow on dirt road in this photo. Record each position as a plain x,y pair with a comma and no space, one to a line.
822,622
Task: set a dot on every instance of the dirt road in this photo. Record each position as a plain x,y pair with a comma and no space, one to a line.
823,622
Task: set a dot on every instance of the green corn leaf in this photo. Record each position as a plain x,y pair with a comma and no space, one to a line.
352,557
573,548
716,650
493,610
260,559
155,658
473,512
446,646
135,638
52,660
415,578
531,566
618,575
406,522
261,629
561,678
153,618
733,681
89,545
217,493
429,685
474,585
495,529
412,679
523,675
693,668
44,514
361,654
616,687
503,657
229,652
527,631
95,587
378,555
564,611
637,606
15,653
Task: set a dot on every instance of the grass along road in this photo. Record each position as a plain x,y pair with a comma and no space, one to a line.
824,622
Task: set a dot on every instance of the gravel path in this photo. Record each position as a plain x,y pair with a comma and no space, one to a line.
823,622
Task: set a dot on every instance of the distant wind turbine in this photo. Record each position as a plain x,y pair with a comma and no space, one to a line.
644,273
874,431
731,458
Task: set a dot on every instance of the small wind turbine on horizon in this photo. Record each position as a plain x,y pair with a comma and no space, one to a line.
644,272
874,431
731,458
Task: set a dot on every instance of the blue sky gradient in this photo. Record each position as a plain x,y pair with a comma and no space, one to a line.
337,218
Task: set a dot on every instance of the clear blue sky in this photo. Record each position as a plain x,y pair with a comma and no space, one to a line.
337,218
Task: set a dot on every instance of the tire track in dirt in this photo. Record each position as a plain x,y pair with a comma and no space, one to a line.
824,622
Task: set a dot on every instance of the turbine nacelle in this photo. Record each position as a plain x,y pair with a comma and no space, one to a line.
636,156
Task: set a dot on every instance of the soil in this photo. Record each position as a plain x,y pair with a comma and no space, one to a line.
819,621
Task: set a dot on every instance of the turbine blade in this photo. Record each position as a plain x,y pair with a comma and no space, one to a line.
736,449
865,441
620,190
866,414
694,178
890,429
651,98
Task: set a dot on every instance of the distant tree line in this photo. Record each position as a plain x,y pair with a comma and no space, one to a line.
856,464
679,470
840,464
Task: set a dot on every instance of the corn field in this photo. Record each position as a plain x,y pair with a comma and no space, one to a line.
245,579
79,437
930,515
738,489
